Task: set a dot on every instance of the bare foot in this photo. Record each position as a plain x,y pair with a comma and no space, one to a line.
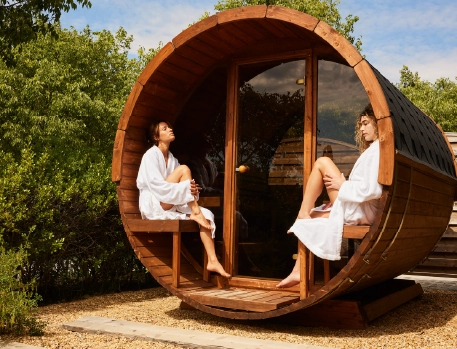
200,219
217,267
290,281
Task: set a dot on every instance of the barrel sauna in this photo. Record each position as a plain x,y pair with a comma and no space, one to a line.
273,89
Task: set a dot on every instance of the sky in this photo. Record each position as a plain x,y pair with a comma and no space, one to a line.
417,33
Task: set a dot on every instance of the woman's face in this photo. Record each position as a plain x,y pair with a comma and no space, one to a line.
166,134
368,129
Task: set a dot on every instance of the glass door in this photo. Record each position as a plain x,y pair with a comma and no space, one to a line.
269,166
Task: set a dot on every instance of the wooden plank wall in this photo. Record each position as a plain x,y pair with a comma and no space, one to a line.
442,261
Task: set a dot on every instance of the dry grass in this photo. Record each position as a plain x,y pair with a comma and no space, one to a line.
429,321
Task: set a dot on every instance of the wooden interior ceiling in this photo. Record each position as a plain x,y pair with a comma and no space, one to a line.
254,31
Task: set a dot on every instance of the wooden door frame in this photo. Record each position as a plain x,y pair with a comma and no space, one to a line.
229,236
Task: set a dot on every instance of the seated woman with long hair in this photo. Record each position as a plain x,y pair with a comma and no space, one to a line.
167,190
352,202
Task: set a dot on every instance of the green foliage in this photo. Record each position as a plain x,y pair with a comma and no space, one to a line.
22,20
325,10
59,109
18,301
438,100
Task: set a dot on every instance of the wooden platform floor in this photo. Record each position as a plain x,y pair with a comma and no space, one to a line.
352,311
244,299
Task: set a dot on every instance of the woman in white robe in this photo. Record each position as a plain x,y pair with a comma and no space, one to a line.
167,190
352,202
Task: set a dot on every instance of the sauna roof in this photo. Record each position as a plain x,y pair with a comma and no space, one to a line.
416,134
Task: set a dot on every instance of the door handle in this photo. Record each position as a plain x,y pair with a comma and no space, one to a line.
242,169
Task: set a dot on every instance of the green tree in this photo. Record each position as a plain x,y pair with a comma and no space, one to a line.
59,107
22,20
438,99
325,10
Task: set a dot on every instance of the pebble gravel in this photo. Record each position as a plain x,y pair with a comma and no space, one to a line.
429,321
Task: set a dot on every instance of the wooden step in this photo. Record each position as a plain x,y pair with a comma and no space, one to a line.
244,299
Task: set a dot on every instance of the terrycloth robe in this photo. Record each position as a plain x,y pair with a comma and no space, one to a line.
357,203
154,189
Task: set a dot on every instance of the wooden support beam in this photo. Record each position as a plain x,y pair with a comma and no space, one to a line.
206,272
303,254
176,261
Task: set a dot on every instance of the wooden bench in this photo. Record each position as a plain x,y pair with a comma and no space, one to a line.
176,227
350,232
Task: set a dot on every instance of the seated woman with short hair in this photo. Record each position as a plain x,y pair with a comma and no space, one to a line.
352,202
167,190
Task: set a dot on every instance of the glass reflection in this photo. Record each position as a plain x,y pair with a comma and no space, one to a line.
271,111
341,98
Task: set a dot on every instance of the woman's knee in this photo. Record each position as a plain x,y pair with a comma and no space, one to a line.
324,162
326,165
183,170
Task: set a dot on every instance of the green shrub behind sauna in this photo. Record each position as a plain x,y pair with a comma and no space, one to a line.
18,301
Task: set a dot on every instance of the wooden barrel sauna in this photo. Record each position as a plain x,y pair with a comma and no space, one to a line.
273,89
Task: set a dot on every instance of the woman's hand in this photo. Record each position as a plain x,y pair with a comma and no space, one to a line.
332,182
194,188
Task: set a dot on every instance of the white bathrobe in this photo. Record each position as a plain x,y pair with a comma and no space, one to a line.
357,203
154,189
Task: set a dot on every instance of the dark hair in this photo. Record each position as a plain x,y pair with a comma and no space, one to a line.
153,131
360,140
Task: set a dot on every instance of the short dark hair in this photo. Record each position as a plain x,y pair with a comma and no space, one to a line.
153,131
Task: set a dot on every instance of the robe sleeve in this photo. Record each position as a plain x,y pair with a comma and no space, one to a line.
364,186
170,193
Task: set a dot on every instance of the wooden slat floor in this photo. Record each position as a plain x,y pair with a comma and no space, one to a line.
244,298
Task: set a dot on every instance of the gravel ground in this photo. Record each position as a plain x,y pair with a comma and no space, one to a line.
429,321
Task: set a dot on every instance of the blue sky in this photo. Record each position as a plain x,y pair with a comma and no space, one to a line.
417,33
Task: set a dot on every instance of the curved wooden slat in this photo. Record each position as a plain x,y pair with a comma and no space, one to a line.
292,16
240,13
373,89
158,59
339,43
189,33
387,153
129,105
116,168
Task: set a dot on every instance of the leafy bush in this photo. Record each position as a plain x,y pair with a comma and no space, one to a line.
18,301
59,108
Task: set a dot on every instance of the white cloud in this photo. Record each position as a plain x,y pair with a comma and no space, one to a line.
416,33
148,21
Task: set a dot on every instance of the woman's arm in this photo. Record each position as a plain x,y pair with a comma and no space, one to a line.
363,184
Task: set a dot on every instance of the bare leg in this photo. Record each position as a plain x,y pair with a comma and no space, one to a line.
181,174
213,263
315,185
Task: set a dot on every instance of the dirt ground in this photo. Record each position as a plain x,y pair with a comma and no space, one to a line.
429,321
